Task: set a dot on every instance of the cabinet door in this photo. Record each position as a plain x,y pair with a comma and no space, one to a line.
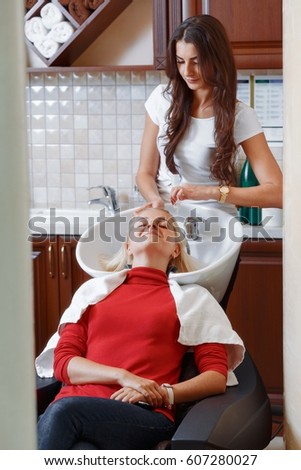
71,276
167,15
57,275
254,28
46,290
255,308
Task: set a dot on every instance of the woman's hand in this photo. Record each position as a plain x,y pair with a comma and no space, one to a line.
129,395
193,191
154,204
145,389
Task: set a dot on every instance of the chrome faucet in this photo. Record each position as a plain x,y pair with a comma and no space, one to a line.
108,199
191,225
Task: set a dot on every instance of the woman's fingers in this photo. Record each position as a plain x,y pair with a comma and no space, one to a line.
153,395
130,395
177,194
156,204
141,208
151,391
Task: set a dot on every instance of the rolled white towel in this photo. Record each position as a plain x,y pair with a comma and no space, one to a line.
34,29
61,32
51,15
47,47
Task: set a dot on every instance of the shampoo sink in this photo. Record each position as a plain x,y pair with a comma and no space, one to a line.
216,248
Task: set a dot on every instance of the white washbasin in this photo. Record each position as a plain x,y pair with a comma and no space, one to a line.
216,249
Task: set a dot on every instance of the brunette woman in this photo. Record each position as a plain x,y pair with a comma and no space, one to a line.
195,126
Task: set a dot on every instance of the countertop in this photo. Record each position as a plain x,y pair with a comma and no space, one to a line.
267,232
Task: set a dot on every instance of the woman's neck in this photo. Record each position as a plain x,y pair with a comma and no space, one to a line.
202,104
150,262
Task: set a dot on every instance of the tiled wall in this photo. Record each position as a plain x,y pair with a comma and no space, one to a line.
85,129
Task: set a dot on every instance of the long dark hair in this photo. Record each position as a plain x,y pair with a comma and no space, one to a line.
218,70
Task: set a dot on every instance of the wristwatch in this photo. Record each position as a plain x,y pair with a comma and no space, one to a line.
170,393
224,191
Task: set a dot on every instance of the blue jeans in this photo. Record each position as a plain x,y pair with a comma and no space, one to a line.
106,424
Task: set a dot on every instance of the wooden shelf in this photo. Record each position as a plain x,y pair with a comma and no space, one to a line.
84,34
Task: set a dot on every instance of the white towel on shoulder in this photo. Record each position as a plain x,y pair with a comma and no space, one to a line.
61,32
34,29
51,15
202,320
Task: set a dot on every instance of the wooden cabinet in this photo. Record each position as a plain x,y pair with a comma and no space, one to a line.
254,28
57,275
255,308
85,32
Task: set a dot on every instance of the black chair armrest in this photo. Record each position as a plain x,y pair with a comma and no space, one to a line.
239,419
46,390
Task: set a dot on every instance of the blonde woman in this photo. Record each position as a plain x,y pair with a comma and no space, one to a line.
120,344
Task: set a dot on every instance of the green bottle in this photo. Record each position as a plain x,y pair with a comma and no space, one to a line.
249,215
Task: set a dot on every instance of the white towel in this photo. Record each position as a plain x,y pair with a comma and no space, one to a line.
61,32
202,320
47,47
34,29
51,15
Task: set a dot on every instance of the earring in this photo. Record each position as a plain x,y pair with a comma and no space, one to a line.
171,269
129,261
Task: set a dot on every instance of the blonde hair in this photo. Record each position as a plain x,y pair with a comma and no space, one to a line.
182,263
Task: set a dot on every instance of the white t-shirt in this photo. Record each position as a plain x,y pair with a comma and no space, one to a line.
196,150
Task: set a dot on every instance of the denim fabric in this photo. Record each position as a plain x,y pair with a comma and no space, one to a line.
107,424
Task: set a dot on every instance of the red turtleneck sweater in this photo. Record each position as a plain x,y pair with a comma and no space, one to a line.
135,328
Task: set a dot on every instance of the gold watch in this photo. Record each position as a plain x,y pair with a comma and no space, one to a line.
224,191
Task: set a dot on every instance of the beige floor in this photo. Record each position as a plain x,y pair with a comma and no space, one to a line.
276,444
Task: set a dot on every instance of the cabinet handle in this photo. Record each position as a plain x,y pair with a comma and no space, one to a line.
64,262
51,261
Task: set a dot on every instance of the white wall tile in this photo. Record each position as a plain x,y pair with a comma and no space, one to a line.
94,93
52,136
80,106
53,151
68,195
38,151
38,121
38,136
67,166
93,78
52,121
67,180
51,92
95,152
53,166
123,78
67,152
80,154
